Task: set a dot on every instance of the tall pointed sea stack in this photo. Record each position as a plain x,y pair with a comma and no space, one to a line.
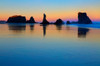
83,18
44,20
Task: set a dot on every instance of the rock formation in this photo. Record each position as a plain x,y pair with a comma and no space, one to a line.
83,18
68,22
44,20
16,19
31,20
59,21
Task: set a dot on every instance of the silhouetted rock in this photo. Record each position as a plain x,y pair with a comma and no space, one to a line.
16,19
83,18
59,21
68,22
44,20
82,32
31,20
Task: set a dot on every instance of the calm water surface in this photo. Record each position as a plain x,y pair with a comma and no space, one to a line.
48,45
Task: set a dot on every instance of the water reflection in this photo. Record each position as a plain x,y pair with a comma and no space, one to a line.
17,27
32,27
44,29
30,47
82,32
59,27
68,28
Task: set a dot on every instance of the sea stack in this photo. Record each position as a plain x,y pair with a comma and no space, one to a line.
83,18
68,22
31,20
16,19
58,22
44,20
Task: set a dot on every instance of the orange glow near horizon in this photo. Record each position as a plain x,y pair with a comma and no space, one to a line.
54,9
54,16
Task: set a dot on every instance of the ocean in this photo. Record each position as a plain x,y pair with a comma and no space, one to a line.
49,45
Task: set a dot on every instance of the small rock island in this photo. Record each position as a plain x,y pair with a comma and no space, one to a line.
31,20
58,22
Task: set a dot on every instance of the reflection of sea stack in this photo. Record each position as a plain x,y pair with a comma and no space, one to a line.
44,29
83,18
31,26
58,22
59,27
17,28
44,20
16,19
31,20
82,32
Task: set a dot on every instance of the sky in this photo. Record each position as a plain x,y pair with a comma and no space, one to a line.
54,9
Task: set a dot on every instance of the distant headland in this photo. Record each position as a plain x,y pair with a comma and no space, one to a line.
82,19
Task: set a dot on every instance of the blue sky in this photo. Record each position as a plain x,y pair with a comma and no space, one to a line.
57,8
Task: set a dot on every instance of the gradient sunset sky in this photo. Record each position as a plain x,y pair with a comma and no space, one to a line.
54,9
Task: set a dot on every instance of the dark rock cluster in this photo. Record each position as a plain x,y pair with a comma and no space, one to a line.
82,19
